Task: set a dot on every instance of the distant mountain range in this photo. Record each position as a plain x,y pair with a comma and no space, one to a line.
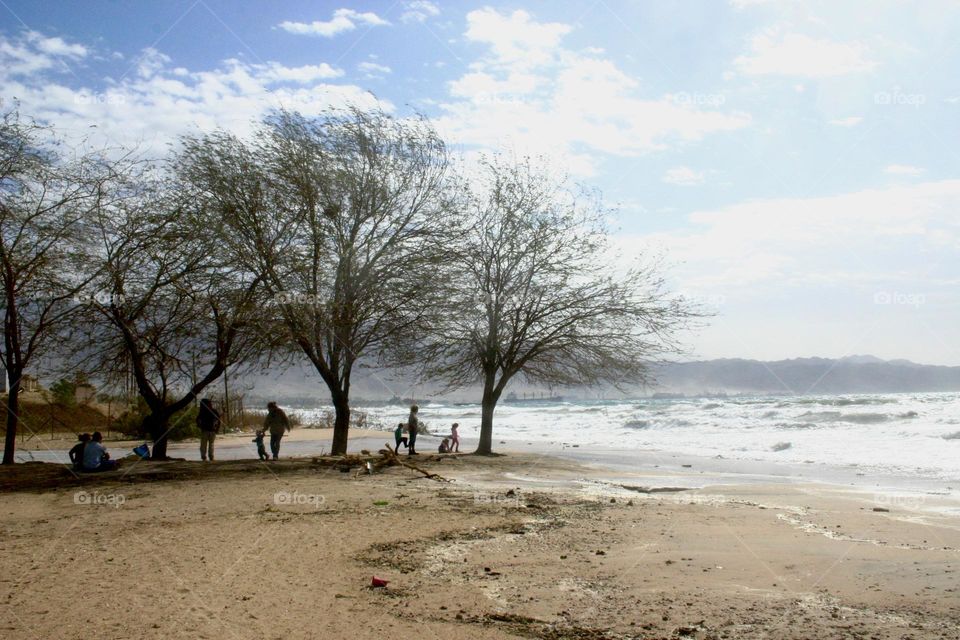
853,374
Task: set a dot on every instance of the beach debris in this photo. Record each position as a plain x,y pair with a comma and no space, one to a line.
881,509
388,457
378,583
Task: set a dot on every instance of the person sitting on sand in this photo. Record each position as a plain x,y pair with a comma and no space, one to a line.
95,456
445,446
277,424
399,437
261,450
413,423
455,438
208,420
76,454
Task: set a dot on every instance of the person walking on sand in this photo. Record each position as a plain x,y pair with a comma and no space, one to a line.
208,420
413,423
277,424
261,450
398,437
455,438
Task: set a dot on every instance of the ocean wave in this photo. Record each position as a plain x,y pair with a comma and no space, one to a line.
782,446
952,436
636,424
837,416
838,402
797,425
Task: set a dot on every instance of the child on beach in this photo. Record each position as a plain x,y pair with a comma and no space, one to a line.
445,446
399,437
261,450
455,438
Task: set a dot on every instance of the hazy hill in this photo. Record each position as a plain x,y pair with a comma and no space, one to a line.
854,374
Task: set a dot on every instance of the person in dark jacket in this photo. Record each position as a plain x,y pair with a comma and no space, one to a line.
208,420
277,424
413,424
76,454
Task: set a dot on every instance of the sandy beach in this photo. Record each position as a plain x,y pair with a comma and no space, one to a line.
523,545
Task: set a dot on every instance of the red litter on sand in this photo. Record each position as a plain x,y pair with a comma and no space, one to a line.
378,582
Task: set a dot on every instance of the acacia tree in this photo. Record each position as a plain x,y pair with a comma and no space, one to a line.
346,219
536,296
165,306
44,201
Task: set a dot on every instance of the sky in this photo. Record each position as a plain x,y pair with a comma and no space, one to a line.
795,164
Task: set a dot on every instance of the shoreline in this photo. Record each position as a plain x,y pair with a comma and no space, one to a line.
915,492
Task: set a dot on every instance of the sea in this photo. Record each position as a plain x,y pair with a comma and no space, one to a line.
903,434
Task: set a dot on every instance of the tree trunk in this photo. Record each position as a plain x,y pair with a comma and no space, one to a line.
341,424
13,419
157,425
487,407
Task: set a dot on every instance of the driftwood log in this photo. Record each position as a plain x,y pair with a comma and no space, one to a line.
387,458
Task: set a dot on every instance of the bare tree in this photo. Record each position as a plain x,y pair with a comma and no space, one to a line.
346,219
44,201
537,296
165,304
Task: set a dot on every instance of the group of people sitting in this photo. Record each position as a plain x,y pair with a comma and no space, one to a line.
411,427
90,455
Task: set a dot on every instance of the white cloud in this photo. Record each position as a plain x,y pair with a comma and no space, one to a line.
56,46
516,39
419,11
343,20
873,236
531,93
32,52
903,170
374,70
683,176
851,121
160,102
794,54
303,75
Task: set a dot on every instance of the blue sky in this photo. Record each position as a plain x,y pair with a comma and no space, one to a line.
796,162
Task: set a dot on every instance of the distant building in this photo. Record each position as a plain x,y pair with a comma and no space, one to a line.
30,383
85,393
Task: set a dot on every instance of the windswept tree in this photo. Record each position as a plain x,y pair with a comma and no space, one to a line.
44,201
537,295
346,219
165,307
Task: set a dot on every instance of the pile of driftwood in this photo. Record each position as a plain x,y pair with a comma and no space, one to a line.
368,463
